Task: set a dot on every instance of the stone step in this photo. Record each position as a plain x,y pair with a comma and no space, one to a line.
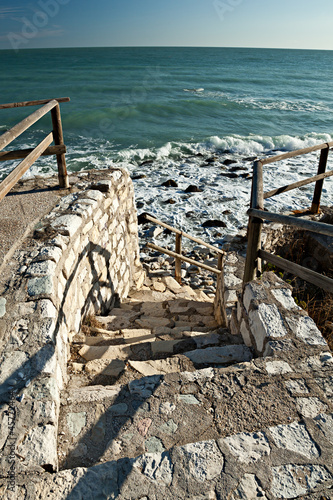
219,355
184,292
191,310
132,370
142,350
136,335
128,336
175,364
188,361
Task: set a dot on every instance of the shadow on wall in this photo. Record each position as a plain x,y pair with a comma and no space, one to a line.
18,390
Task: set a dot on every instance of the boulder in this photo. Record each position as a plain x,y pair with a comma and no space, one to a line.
193,189
214,223
170,183
230,175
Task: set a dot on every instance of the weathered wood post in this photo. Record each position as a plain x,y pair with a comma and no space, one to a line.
178,249
319,184
255,225
220,313
59,140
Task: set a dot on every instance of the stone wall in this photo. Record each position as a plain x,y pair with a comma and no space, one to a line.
272,324
81,259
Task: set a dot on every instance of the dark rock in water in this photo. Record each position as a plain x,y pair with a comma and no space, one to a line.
250,158
146,162
142,219
246,176
193,189
214,223
229,162
235,169
212,159
167,231
139,176
190,214
217,235
227,212
170,183
140,204
231,176
170,201
199,154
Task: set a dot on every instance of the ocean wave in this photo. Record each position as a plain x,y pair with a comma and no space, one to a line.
251,145
284,105
297,105
257,144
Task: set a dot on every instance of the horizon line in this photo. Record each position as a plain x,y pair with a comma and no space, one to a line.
166,47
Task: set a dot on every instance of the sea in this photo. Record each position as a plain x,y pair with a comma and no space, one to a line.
196,116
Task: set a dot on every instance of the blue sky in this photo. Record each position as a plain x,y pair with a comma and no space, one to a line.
221,23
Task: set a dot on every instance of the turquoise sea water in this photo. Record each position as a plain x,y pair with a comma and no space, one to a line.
130,105
134,96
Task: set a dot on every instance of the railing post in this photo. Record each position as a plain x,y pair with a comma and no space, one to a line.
220,313
319,184
255,225
59,141
178,249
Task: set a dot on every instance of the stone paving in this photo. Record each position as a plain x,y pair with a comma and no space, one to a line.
146,343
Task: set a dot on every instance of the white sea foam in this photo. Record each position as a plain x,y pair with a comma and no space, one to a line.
296,105
257,144
222,197
225,198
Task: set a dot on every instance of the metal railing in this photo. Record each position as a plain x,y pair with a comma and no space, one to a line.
43,148
257,215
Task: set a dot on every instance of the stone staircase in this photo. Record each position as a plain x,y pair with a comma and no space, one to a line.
163,403
121,361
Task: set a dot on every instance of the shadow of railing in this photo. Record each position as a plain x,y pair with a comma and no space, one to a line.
114,422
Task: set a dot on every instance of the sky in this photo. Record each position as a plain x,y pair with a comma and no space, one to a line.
301,24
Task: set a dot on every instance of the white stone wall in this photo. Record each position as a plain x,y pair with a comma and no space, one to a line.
83,257
268,317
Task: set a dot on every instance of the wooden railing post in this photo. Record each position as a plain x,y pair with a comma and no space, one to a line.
255,225
178,249
220,313
319,184
59,141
